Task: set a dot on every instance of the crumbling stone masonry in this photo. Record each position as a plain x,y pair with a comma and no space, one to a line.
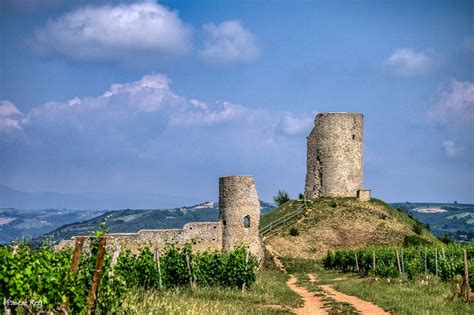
239,214
335,156
239,210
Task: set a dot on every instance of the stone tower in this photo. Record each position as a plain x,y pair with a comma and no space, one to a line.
334,156
239,211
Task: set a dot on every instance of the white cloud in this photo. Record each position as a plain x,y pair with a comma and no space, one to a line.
7,109
150,135
406,62
229,42
132,109
451,149
219,113
10,117
456,103
291,125
116,33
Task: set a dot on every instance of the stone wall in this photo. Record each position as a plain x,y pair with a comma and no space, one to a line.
335,156
205,235
238,204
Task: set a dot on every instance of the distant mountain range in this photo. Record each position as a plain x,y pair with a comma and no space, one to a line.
10,198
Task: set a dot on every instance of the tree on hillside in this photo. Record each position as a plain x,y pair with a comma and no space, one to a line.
281,197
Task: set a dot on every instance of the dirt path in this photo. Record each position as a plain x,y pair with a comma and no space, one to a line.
311,277
362,306
312,304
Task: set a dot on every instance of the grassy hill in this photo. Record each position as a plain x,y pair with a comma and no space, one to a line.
330,223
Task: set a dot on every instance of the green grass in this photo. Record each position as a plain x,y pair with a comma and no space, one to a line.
406,297
269,295
286,208
397,297
299,265
379,202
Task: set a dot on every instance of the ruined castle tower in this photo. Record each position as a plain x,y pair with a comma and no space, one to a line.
239,211
334,156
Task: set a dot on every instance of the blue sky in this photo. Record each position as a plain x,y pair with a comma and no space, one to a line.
119,96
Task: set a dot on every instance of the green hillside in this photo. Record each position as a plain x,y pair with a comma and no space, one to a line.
331,223
131,221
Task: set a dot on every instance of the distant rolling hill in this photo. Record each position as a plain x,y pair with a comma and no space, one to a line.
123,221
457,220
27,224
10,198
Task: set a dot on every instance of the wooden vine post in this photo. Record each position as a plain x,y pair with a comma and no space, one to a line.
157,259
188,263
426,266
373,260
357,263
76,258
403,262
97,274
247,255
398,263
465,282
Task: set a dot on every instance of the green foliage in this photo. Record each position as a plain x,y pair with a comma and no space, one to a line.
414,240
450,260
137,271
446,239
281,197
418,227
41,276
328,261
44,275
294,231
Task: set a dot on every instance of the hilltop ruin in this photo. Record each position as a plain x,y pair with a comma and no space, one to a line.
335,151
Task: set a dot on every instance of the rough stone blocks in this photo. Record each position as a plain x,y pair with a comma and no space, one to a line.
335,156
363,195
239,213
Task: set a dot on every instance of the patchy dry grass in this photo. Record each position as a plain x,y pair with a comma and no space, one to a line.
331,223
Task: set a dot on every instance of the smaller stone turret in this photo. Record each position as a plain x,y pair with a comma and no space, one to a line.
239,211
